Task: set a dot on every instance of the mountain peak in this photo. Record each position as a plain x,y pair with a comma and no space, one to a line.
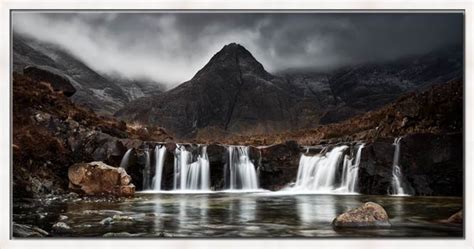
233,56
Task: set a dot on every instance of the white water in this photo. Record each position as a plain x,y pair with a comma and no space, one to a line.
146,171
159,163
125,159
190,175
318,173
397,188
350,172
240,170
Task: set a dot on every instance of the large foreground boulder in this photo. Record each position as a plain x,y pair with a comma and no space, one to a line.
369,215
58,82
98,178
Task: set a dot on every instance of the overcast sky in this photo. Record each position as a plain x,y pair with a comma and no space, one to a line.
171,47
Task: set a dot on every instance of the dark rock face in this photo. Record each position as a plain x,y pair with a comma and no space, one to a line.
279,165
369,215
217,159
431,165
57,82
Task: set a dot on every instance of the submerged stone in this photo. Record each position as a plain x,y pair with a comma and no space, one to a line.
20,230
106,221
121,234
61,227
369,215
456,218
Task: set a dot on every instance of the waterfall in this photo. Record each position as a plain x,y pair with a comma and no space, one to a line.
146,171
125,159
190,175
318,173
160,153
240,171
397,188
350,172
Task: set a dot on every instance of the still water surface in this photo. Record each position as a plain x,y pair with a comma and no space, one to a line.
236,215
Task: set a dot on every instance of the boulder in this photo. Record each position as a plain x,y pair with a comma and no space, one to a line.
369,215
58,82
98,178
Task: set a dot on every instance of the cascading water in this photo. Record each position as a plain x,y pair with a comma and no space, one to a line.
191,175
146,171
397,188
350,172
160,153
125,159
240,171
318,173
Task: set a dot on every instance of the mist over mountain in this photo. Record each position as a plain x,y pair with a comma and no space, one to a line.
102,93
171,47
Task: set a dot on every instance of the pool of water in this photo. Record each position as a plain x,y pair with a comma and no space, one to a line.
213,215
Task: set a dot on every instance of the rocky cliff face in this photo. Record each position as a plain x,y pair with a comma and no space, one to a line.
431,164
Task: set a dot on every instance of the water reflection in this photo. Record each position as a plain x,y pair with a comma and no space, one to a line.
314,209
239,215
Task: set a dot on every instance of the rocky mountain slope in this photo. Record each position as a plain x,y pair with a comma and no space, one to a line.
437,110
234,95
101,93
50,133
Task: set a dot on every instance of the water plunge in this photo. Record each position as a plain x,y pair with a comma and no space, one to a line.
190,175
125,159
240,172
397,177
160,153
318,173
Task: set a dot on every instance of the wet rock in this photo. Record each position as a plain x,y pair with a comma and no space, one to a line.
57,82
60,227
431,164
107,221
369,215
25,231
277,165
97,178
456,218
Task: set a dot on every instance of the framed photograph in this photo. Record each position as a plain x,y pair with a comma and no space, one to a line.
253,123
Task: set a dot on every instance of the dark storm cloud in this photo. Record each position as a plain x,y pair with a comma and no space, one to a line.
171,47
